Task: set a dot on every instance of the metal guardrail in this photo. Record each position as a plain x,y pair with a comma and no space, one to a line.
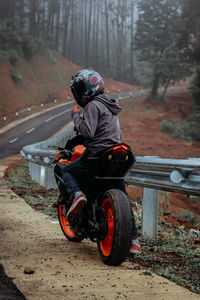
174,175
39,156
154,174
150,172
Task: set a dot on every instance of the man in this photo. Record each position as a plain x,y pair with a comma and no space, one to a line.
98,130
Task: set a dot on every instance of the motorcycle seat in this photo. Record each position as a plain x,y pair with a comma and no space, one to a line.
114,162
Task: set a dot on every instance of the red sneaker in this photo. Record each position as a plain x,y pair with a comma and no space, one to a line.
76,207
135,247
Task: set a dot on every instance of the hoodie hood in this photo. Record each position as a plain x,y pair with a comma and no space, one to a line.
110,103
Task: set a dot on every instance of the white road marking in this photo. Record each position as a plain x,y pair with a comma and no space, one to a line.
14,140
29,131
63,112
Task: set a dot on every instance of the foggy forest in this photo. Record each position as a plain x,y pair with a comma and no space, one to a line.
126,40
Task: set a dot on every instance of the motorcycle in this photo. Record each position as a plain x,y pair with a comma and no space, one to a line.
107,217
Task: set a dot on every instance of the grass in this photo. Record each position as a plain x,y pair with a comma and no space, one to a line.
18,179
150,111
175,258
174,254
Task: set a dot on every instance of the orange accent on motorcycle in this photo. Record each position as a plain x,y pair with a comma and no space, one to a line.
57,155
64,161
106,244
64,223
78,151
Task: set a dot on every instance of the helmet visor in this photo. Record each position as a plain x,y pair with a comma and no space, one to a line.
78,89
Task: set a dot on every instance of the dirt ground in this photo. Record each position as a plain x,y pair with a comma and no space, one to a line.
141,121
31,242
140,124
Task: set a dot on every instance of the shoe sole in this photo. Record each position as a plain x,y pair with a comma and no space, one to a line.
76,208
135,252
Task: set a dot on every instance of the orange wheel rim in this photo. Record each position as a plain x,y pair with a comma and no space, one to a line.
64,223
106,244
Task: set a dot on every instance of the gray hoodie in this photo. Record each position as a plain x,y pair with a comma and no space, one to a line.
100,124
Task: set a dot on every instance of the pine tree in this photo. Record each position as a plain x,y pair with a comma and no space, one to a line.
189,44
157,27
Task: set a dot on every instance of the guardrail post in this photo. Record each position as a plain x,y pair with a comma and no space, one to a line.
51,183
30,166
42,175
38,171
33,171
46,176
150,212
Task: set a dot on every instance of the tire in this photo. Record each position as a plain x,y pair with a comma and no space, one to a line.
68,233
116,243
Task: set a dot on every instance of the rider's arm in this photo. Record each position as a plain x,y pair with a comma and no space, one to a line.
87,125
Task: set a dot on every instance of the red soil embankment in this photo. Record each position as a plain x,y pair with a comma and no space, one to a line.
140,124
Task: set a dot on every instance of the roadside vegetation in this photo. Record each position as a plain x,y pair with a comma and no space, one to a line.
16,46
38,197
175,254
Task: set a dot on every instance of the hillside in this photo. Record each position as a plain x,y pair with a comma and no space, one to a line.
41,82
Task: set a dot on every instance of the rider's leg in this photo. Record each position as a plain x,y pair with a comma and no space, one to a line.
71,172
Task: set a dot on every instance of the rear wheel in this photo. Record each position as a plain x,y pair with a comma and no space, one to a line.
116,242
68,233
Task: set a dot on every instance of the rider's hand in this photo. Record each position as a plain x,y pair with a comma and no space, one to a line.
76,108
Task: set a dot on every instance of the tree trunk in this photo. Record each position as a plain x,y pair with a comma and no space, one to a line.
97,40
107,35
72,33
66,22
166,86
195,89
154,91
57,25
132,43
38,20
50,17
118,44
21,14
32,23
85,26
87,31
44,19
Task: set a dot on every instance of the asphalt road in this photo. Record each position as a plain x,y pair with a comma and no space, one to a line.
34,130
38,128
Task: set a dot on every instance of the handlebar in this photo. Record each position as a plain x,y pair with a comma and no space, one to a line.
67,154
56,147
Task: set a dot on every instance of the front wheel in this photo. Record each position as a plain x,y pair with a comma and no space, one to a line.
62,216
115,244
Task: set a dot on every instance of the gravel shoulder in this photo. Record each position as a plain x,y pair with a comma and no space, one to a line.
65,270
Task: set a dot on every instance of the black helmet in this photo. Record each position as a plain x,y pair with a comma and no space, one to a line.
86,84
